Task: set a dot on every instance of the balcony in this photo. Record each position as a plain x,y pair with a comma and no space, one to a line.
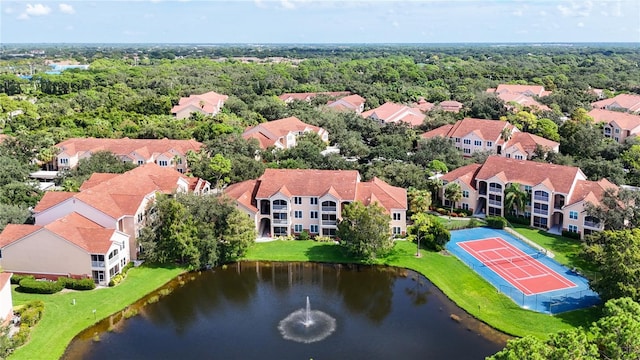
328,208
541,211
114,260
592,224
329,222
280,207
541,198
558,205
495,189
280,221
97,264
495,202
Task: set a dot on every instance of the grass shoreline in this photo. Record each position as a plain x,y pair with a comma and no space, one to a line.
62,321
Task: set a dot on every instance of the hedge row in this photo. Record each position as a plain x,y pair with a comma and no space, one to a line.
32,286
571,234
496,222
123,274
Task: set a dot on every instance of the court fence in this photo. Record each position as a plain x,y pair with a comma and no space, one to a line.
552,304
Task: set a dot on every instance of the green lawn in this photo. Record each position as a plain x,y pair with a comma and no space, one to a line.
566,250
62,320
456,280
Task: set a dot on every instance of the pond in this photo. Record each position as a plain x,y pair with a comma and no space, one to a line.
239,311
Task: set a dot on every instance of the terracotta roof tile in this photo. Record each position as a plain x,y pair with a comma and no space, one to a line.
528,142
392,113
243,193
466,174
209,102
14,232
488,130
389,197
440,131
591,191
531,90
268,133
624,121
52,198
287,97
628,102
530,173
4,278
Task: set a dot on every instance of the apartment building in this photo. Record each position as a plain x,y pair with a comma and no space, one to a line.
282,133
288,201
617,125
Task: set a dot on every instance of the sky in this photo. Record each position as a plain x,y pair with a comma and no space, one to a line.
319,21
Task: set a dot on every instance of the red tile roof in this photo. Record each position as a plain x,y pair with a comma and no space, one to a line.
73,227
531,90
423,105
466,174
628,102
559,177
590,191
451,105
528,142
624,121
353,101
392,112
342,184
210,102
268,133
4,278
123,194
488,130
523,100
121,147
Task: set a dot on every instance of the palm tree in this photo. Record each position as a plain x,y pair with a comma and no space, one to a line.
419,200
515,198
506,133
453,193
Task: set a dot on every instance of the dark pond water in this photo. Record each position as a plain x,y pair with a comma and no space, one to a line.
234,313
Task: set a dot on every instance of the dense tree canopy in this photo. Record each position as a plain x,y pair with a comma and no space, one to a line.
364,230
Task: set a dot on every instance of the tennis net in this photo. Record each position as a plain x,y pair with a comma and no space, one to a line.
511,260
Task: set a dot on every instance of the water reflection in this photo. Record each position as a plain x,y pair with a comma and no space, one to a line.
236,310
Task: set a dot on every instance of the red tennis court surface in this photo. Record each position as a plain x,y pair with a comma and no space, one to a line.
520,269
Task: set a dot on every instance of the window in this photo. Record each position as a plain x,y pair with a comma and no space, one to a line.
573,228
297,200
279,205
519,157
397,230
540,195
467,141
616,139
465,194
489,144
477,143
617,131
162,162
140,162
297,228
607,130
64,161
457,140
573,215
313,214
140,215
467,151
297,214
397,216
314,201
179,161
465,206
313,229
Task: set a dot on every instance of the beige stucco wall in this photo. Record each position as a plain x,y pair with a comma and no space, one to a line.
45,253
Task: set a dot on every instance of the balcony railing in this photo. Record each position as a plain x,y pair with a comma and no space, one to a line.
541,211
99,264
279,207
328,208
280,221
541,198
495,189
495,202
329,222
482,192
593,224
114,260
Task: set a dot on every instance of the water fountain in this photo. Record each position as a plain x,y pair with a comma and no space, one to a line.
306,325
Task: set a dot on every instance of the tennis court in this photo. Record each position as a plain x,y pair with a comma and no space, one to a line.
531,279
520,269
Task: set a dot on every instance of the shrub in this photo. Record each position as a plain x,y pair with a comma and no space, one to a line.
496,222
304,235
571,234
31,312
441,211
127,267
518,220
15,278
473,222
29,285
21,336
116,280
321,238
77,284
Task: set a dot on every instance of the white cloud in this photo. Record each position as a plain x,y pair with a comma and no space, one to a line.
260,4
66,8
37,10
287,4
580,24
576,9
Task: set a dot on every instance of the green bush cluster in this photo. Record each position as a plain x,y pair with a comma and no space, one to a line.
15,278
571,234
518,220
31,312
32,286
123,274
77,284
321,238
304,235
496,222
